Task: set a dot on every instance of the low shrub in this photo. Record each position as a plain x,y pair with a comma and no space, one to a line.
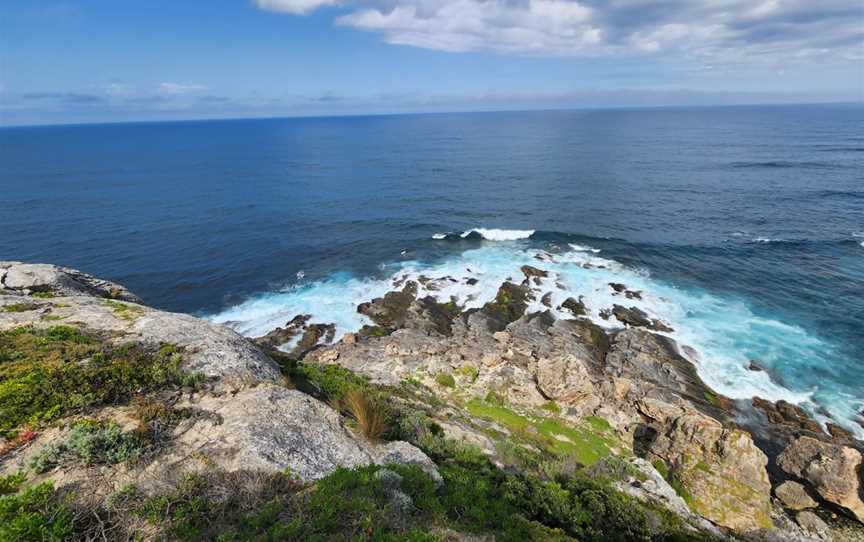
48,373
90,443
36,513
445,380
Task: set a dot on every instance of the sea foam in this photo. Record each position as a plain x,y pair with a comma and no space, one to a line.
722,332
489,234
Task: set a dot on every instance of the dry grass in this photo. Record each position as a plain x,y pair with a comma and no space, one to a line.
372,416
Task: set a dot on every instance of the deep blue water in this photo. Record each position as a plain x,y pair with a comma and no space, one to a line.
747,221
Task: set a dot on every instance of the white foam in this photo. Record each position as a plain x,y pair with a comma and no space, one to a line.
766,240
439,236
723,333
583,248
500,235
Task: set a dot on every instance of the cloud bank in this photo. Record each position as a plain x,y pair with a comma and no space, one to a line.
710,31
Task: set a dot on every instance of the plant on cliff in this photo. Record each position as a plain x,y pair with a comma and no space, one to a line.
90,442
371,415
48,373
37,513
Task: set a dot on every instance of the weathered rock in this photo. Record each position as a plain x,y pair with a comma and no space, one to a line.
509,304
271,428
830,469
793,496
564,378
577,307
753,365
636,317
532,274
813,524
546,300
284,335
214,351
28,278
654,365
390,311
720,469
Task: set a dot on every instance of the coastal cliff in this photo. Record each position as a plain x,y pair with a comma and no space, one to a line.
433,422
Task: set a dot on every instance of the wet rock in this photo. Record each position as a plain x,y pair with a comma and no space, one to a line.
546,300
532,274
509,304
618,287
605,313
633,294
390,311
636,317
576,307
471,281
838,434
789,418
284,335
793,496
753,365
314,335
831,470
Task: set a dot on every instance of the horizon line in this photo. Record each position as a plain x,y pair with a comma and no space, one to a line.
859,103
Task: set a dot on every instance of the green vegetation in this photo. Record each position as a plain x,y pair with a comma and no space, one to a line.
587,443
552,407
469,371
36,513
90,443
124,310
445,380
48,373
43,295
329,382
19,307
371,416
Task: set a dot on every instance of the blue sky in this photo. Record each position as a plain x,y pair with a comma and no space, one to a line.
110,60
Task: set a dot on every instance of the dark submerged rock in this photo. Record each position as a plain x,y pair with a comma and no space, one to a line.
576,307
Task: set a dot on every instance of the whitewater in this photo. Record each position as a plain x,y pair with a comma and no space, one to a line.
720,335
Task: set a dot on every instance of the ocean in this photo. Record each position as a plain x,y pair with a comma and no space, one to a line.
742,226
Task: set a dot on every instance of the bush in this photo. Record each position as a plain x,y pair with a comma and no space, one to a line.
48,373
330,382
36,514
445,380
90,443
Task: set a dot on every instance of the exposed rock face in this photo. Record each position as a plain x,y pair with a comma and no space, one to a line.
247,420
720,468
636,317
17,277
283,335
831,470
577,307
793,496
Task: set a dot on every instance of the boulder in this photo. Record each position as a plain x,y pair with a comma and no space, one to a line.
831,470
813,525
636,317
270,428
719,470
30,278
793,496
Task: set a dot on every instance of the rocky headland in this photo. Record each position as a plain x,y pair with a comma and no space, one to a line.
432,422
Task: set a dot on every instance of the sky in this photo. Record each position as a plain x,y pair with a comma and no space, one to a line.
117,60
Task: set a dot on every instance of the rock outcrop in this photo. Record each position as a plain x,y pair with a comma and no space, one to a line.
831,470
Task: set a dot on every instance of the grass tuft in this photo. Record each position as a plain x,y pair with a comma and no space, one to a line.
372,416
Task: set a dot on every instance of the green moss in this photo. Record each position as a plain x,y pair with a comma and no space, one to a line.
19,307
43,295
469,371
124,310
47,373
552,407
494,398
590,441
445,380
711,398
661,467
90,443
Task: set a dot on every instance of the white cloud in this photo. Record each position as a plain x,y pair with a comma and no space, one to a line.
710,31
294,7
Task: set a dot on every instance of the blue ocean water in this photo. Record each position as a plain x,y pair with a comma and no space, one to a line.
743,226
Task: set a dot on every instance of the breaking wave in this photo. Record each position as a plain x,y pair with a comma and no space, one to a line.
722,333
487,234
